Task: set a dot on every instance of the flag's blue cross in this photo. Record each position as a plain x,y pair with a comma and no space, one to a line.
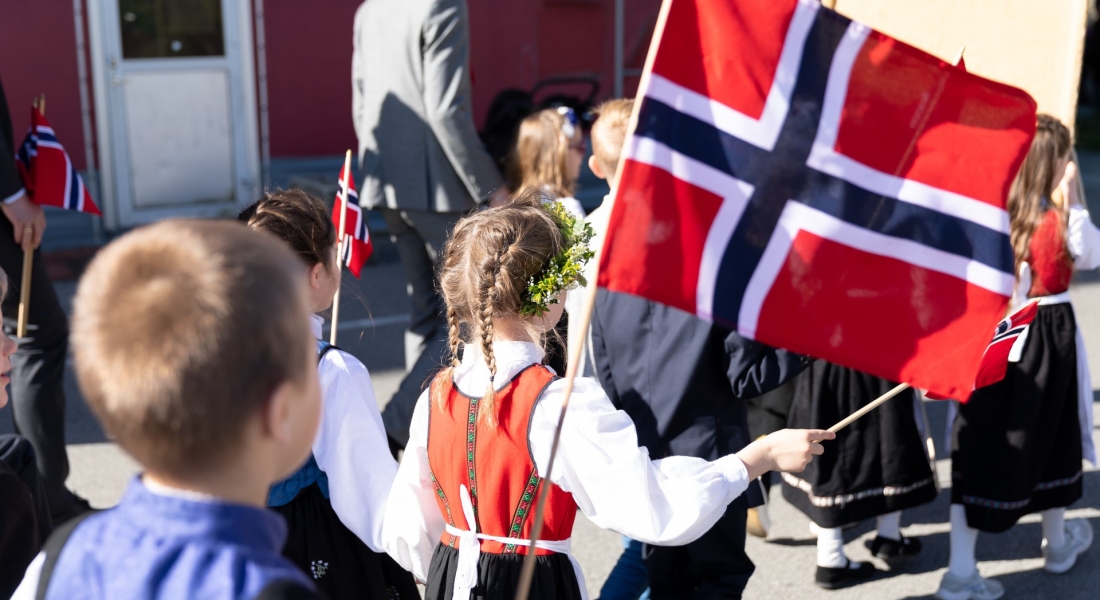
782,175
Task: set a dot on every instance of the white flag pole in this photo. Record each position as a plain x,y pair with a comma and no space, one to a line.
340,243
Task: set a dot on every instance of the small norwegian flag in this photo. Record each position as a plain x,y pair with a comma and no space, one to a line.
48,174
1007,346
357,248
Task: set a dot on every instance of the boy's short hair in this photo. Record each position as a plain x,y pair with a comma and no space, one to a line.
609,132
181,332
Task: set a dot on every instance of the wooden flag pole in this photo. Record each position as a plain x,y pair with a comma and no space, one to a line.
28,256
25,286
340,244
528,573
866,409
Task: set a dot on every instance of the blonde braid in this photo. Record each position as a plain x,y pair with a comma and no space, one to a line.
488,305
454,334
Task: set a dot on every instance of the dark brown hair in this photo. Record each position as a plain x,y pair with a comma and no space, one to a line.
487,265
297,218
1029,197
181,332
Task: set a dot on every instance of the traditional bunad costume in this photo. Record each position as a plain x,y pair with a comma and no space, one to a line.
876,466
460,513
335,503
1018,444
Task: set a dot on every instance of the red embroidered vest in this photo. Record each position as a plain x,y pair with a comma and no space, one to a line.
1051,264
494,464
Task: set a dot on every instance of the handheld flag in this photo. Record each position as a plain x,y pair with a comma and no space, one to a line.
49,177
358,247
819,186
1007,346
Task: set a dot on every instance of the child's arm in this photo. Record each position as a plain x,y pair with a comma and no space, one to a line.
1082,236
671,501
351,447
756,369
413,523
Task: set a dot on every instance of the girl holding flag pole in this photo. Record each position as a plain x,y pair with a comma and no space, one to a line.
335,503
1018,443
460,512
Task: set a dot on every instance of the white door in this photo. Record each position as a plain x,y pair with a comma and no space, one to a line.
177,108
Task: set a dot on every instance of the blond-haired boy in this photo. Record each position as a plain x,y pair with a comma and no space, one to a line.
193,349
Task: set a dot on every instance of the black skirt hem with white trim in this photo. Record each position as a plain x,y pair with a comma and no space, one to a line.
1016,445
876,465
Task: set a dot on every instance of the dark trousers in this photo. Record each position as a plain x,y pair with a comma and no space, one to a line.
24,517
713,566
38,367
419,237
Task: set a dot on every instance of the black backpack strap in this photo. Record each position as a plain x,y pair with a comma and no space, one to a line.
322,349
52,550
288,590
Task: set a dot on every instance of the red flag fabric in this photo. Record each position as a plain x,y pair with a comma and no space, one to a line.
357,245
1008,342
819,186
48,174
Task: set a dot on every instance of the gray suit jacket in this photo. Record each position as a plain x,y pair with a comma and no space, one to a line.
418,148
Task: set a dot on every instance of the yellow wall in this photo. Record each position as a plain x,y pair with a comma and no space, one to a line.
1032,44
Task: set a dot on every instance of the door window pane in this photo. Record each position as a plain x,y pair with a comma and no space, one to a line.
171,28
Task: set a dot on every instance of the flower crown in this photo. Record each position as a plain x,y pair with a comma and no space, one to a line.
565,271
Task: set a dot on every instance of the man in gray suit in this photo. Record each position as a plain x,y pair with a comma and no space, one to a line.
419,153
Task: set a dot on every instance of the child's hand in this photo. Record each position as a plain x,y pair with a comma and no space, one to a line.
1068,186
786,450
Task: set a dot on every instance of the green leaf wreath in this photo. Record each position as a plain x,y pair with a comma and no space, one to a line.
564,271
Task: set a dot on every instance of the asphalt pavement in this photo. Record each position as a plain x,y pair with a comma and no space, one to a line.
373,320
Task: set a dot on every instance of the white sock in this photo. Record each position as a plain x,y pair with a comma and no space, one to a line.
963,540
889,526
830,548
1054,527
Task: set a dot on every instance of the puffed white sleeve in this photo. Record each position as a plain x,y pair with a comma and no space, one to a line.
1083,239
413,524
672,501
352,449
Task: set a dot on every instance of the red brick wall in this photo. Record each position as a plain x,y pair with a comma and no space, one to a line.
38,54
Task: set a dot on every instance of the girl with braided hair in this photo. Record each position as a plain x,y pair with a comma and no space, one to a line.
333,505
459,514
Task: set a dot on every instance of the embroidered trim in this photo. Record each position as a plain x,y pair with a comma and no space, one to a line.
471,442
842,500
446,505
1041,487
523,509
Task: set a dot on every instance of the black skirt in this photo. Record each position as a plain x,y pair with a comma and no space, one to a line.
339,563
876,465
1016,445
498,576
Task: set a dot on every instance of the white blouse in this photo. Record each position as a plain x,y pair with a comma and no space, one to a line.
351,446
672,501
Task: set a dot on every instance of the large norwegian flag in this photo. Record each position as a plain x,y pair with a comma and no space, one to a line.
48,174
357,247
819,186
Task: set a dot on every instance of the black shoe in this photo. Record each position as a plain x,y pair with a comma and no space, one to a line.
832,578
888,549
73,507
